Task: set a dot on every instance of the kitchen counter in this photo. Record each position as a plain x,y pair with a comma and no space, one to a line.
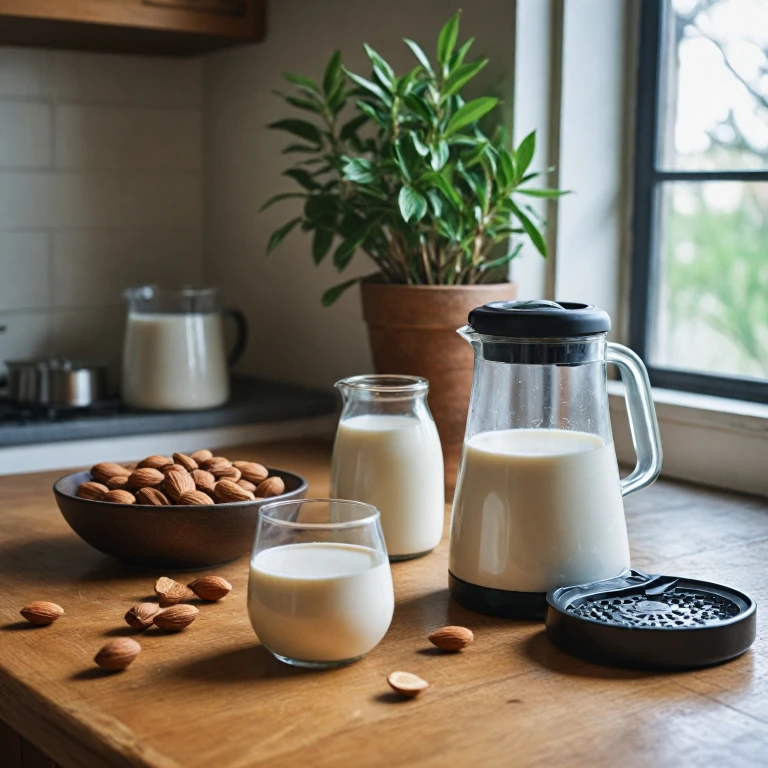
212,697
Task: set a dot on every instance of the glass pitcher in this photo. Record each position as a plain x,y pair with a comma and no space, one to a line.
538,500
174,358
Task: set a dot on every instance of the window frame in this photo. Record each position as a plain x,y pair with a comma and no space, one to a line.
646,218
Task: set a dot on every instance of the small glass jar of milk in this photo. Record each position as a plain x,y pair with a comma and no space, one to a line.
387,453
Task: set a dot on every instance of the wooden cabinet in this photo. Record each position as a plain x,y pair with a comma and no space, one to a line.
175,27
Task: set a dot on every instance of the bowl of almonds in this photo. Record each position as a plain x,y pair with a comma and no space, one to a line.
173,512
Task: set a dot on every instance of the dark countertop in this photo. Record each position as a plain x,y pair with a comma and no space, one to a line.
253,401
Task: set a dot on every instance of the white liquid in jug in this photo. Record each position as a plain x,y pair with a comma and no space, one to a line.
537,509
396,464
320,602
174,362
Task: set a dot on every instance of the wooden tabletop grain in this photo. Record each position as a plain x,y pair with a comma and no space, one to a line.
212,697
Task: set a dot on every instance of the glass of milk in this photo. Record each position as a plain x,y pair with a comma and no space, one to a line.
320,591
387,453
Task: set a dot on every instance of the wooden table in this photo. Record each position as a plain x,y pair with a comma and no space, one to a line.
212,697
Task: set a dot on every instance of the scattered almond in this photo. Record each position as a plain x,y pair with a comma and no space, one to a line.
141,615
91,490
146,478
210,588
178,483
103,471
204,480
227,491
152,497
245,485
407,684
154,462
272,486
176,618
119,497
119,483
451,638
195,498
202,455
221,472
252,471
172,468
186,461
169,592
117,654
42,612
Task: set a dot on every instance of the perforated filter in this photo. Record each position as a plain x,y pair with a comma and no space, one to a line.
648,620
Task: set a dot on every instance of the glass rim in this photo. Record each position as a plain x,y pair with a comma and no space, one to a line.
468,330
152,289
343,525
384,382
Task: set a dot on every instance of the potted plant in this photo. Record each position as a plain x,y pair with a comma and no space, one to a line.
399,168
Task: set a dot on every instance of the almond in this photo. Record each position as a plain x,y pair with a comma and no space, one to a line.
272,486
42,612
176,618
202,455
117,654
91,490
451,638
252,471
146,478
407,684
204,481
195,498
119,483
103,471
119,497
227,491
215,461
154,462
248,486
169,592
220,472
186,461
141,615
210,588
152,497
177,483
172,468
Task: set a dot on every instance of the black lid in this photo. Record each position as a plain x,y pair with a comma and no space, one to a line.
643,620
539,319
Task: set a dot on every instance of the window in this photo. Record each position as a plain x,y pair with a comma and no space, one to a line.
699,311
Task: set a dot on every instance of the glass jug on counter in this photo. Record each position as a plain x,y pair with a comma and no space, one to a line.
387,453
538,500
174,357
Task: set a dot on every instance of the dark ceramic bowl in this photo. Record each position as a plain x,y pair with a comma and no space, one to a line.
168,538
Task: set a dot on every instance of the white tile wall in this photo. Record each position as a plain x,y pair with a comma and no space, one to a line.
100,188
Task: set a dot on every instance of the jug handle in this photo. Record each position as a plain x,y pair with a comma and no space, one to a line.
642,418
241,334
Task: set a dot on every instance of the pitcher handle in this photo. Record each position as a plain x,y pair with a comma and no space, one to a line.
642,418
241,334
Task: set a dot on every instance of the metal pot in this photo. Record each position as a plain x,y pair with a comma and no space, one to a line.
56,382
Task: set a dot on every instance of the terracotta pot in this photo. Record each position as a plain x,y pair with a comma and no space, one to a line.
413,331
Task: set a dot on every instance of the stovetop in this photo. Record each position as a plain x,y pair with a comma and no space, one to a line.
21,415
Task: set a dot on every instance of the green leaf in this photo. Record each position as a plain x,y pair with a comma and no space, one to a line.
294,148
419,145
357,169
507,168
543,192
281,233
420,55
440,155
345,251
302,177
446,41
500,262
320,208
530,229
277,198
463,52
300,128
348,129
460,76
439,181
306,104
332,72
332,295
321,244
524,153
364,106
420,106
435,202
376,90
302,82
407,158
412,204
404,84
380,67
471,112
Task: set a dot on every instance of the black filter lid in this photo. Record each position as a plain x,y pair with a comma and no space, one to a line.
659,622
539,319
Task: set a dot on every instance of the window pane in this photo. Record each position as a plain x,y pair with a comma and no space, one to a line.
711,305
714,86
